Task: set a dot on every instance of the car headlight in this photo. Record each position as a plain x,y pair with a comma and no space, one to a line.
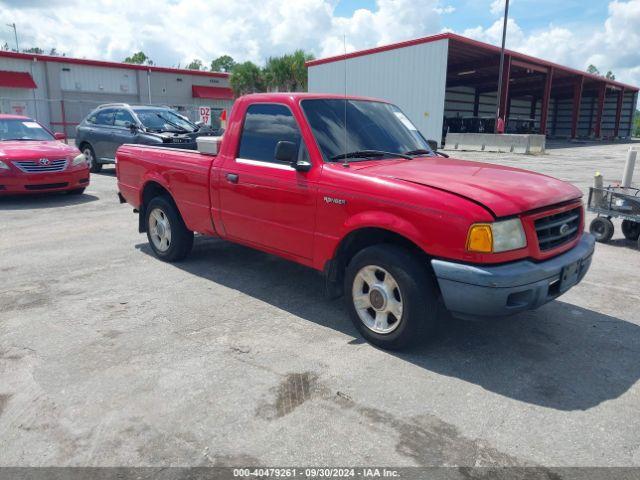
496,237
3,166
78,160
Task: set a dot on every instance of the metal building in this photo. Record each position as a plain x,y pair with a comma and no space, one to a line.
446,82
60,91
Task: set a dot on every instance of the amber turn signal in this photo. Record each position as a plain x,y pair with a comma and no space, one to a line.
480,238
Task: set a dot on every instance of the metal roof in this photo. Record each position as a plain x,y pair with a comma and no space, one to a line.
105,64
464,50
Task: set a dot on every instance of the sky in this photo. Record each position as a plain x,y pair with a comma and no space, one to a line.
575,33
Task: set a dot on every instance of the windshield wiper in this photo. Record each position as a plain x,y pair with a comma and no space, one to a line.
171,123
422,151
369,154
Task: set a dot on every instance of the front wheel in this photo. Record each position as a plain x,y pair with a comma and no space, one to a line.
89,154
168,236
76,191
392,298
602,229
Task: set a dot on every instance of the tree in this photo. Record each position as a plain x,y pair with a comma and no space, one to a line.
225,63
6,47
139,58
287,73
636,124
53,52
36,50
246,78
195,64
609,75
593,70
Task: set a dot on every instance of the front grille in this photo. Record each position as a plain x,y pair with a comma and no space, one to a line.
558,229
35,166
45,186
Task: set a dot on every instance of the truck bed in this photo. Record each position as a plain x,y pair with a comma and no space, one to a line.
184,173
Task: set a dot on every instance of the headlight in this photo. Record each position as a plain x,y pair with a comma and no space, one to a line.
79,159
3,166
496,237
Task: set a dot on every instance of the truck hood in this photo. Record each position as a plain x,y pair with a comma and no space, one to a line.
504,191
34,149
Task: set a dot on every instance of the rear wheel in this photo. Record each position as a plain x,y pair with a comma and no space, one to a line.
631,230
168,236
94,165
602,229
392,298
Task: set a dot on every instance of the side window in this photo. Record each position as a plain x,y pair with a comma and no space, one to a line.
123,118
105,117
264,126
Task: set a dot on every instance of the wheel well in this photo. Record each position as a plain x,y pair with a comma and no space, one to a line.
149,192
84,144
363,238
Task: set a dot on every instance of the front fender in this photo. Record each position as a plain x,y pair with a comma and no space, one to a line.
385,221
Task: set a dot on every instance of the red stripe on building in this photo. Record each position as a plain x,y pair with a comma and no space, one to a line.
16,80
213,93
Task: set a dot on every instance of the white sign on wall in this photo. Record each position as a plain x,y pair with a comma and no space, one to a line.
204,115
19,108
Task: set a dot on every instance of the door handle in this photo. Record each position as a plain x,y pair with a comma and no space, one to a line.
232,177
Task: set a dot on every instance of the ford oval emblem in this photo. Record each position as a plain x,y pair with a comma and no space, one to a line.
44,162
564,228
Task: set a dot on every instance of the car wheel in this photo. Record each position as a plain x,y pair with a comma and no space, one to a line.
392,299
168,236
631,230
94,165
602,229
77,191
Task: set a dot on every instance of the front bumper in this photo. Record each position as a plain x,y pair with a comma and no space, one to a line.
11,184
471,291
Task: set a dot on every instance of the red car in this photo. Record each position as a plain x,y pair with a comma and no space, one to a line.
352,189
33,159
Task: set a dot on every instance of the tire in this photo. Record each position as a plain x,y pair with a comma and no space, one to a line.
77,191
602,229
162,216
416,295
631,230
90,155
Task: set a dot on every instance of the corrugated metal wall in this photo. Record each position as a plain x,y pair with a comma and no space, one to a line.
413,78
36,107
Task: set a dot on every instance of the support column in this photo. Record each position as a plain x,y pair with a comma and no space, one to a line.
602,92
546,96
577,98
476,103
616,129
503,94
634,99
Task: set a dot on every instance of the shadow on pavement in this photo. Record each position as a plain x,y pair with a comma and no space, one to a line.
561,356
43,200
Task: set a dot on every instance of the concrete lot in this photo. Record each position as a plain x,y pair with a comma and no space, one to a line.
111,357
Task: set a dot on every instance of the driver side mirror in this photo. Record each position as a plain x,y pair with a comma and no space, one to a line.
288,152
433,145
131,126
59,136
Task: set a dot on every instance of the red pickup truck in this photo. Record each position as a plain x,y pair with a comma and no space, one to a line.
351,188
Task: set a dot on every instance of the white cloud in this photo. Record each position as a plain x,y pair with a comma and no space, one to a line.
174,32
497,7
614,45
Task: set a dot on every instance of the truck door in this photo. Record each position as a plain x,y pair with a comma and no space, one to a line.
264,201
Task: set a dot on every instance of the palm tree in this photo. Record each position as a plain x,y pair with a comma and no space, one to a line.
246,78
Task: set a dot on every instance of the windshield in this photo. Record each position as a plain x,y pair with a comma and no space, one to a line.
164,121
18,129
371,126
